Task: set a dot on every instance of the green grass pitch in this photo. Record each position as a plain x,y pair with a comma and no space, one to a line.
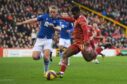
111,70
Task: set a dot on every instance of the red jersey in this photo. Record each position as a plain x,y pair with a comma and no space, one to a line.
81,32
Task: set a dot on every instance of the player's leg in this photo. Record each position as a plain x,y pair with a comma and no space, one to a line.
37,49
73,49
36,55
67,44
61,49
47,51
46,59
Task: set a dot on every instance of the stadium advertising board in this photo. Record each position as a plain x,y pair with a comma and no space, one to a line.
17,52
20,52
28,52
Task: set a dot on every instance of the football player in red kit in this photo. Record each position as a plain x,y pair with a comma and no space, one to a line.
97,42
81,40
96,36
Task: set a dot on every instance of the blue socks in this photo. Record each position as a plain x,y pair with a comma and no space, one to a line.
46,65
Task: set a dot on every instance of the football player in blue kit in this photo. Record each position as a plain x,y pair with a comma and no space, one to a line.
65,36
43,44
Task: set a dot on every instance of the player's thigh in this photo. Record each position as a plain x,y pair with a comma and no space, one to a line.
72,50
67,43
61,42
37,49
47,47
64,42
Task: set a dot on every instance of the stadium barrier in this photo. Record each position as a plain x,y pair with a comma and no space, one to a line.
14,52
99,14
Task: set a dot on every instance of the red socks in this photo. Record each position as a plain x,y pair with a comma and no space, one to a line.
63,67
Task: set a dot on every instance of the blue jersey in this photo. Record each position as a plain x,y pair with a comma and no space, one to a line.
64,27
46,31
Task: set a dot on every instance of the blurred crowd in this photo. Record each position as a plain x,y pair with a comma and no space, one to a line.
24,36
111,32
116,9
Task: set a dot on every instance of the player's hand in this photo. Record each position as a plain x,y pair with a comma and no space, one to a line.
51,25
68,31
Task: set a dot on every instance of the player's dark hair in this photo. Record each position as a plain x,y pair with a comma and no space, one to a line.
75,9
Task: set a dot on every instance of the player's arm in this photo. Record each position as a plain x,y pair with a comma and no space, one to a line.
38,18
83,24
27,21
69,19
57,28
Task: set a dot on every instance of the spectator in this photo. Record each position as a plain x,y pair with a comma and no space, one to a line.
11,11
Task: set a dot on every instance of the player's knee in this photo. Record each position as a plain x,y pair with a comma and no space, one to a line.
36,57
46,56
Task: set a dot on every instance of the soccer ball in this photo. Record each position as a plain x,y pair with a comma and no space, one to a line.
50,75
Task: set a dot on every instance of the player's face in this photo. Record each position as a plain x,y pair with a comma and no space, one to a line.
53,12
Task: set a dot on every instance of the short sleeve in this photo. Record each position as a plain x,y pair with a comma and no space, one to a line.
40,17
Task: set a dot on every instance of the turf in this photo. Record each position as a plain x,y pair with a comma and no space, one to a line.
111,70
